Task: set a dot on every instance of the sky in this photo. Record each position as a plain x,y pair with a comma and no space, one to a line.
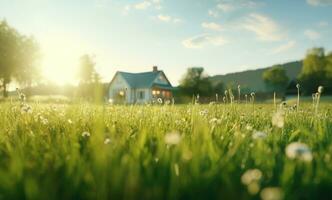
222,36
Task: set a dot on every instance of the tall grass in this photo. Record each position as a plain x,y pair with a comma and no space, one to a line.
85,151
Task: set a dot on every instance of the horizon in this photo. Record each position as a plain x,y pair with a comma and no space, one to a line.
172,35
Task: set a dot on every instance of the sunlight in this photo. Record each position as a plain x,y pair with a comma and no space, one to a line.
60,57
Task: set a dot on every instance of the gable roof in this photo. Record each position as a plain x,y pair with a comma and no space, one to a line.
142,80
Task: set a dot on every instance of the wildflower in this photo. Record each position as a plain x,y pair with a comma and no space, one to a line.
278,120
320,89
297,150
69,121
173,138
250,176
203,112
259,135
215,121
298,86
160,100
272,193
107,141
85,134
43,120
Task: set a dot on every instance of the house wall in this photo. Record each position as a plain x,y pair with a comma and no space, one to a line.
116,86
147,95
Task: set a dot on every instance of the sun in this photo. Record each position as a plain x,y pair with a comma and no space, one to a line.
60,58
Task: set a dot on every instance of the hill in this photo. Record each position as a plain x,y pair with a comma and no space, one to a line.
253,78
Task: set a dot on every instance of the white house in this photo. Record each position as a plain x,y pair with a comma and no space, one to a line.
139,87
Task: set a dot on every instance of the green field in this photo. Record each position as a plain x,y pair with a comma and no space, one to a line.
84,151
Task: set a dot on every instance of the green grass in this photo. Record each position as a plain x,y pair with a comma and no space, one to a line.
129,153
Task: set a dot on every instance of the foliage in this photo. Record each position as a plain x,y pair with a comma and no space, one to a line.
195,82
276,78
234,151
316,71
18,56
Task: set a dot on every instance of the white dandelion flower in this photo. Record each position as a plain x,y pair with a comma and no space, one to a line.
320,89
107,141
259,135
85,134
173,138
251,176
300,151
272,193
278,120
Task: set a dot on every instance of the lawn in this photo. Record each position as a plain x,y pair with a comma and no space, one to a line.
239,151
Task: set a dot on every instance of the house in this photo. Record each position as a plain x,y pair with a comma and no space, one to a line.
139,88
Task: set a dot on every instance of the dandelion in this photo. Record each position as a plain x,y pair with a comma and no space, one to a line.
85,134
160,100
215,121
300,151
272,193
107,141
173,138
203,112
278,120
320,89
259,135
250,176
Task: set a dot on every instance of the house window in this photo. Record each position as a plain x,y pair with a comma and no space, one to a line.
141,95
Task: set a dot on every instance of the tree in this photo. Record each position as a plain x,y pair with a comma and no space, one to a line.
17,57
276,78
196,82
86,69
314,71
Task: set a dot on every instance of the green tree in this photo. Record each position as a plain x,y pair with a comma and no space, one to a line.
86,69
196,82
314,71
18,55
276,78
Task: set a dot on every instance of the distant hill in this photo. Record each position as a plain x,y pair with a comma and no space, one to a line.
253,78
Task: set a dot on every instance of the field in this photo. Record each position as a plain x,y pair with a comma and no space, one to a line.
239,151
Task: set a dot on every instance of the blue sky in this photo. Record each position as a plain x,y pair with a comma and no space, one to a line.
133,35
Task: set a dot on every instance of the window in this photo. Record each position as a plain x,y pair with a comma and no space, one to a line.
141,94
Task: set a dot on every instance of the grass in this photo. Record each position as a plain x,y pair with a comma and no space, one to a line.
84,151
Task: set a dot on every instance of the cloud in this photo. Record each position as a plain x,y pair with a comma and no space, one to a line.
143,5
323,24
225,6
311,34
265,28
212,26
167,19
284,47
202,40
319,2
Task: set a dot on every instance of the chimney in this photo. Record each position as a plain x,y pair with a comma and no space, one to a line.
155,68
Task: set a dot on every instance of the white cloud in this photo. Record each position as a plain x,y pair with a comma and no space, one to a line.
311,34
319,2
167,18
212,26
284,47
323,24
213,13
226,7
142,5
265,28
202,40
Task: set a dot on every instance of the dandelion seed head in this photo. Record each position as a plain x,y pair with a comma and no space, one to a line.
298,86
300,151
251,176
278,120
272,193
85,134
172,138
320,89
259,135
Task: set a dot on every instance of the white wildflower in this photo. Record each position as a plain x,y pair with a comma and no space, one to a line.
320,89
297,150
251,176
272,193
173,138
107,141
85,134
160,100
259,135
278,120
69,121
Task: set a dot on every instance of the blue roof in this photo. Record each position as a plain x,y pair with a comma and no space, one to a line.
142,80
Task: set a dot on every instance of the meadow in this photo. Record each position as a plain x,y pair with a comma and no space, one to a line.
216,151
